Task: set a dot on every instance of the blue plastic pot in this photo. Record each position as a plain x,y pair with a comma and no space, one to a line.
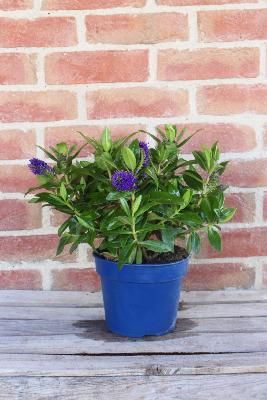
143,299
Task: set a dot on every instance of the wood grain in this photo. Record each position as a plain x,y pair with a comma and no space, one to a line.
218,310
131,365
200,387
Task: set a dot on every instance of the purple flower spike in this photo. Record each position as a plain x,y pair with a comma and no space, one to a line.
124,181
39,167
145,149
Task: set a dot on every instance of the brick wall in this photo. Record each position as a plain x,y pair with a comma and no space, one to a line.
87,64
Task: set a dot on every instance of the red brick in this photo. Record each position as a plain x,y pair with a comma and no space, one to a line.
97,66
76,279
57,218
16,178
9,5
207,63
231,137
37,106
219,276
17,68
250,173
136,102
31,248
17,144
200,2
239,243
245,205
232,99
231,25
39,32
70,134
20,279
19,214
89,5
137,28
265,206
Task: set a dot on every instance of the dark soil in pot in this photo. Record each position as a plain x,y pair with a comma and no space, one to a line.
165,258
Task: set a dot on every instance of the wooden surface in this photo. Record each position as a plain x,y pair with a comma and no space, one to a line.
54,345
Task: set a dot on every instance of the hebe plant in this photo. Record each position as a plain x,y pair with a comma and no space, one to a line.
131,199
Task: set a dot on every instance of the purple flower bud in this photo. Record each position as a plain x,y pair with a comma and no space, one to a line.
39,167
124,181
145,149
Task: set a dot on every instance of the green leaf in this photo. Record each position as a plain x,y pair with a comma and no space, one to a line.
34,200
136,204
168,236
117,195
125,220
150,171
155,245
62,148
193,180
129,158
84,223
125,207
165,198
215,151
193,243
63,191
106,140
226,214
187,196
64,226
201,159
207,209
214,238
170,132
139,256
190,217
43,179
62,243
125,254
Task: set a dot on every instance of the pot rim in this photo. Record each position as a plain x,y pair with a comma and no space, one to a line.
146,265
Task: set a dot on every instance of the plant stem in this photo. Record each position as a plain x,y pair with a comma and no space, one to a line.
133,220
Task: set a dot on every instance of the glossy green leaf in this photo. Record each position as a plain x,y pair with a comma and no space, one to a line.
193,243
106,140
193,180
137,203
227,214
63,191
214,238
62,148
155,245
125,206
129,158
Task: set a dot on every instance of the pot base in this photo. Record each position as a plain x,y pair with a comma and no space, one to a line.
141,335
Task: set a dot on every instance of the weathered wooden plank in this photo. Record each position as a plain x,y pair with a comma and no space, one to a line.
187,311
200,387
24,298
36,298
150,365
191,325
107,343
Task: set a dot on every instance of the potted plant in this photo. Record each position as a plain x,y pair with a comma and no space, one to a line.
131,204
